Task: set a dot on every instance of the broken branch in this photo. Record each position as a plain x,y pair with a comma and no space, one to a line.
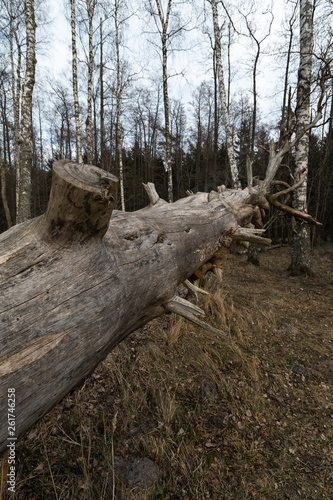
189,311
249,234
195,289
291,211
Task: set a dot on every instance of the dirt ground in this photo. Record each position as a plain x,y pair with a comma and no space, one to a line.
178,412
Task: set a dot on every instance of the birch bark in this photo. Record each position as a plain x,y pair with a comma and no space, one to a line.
301,258
75,92
90,11
16,94
164,20
101,98
24,202
223,99
118,99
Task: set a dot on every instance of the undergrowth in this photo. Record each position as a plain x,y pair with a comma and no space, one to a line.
248,415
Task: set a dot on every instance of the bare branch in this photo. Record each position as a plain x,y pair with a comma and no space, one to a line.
291,211
289,189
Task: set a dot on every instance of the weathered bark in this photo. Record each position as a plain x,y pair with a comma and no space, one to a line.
24,202
223,99
301,254
73,284
75,91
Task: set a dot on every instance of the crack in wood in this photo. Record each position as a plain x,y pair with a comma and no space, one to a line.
30,352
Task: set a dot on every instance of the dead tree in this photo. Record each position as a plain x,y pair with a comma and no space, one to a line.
77,280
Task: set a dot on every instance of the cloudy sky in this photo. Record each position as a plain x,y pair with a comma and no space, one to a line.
193,64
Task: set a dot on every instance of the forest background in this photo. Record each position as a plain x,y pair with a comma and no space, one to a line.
120,108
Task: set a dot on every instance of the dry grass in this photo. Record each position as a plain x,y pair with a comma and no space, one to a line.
249,416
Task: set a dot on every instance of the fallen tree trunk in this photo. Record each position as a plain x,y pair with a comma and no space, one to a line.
74,282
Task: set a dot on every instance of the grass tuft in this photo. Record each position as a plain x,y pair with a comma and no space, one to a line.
238,417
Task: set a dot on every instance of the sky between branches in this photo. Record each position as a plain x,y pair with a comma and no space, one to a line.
191,62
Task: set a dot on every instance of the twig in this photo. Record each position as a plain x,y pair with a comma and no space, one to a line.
49,465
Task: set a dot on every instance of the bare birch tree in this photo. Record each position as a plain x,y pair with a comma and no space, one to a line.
91,4
301,258
119,90
163,27
15,13
291,23
75,91
3,159
258,44
123,78
162,21
223,97
24,203
101,77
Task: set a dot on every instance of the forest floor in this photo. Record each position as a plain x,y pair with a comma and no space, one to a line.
178,412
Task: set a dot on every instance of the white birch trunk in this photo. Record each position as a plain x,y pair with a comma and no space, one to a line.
166,120
227,126
164,24
121,168
16,94
90,12
75,92
118,98
301,259
101,96
24,203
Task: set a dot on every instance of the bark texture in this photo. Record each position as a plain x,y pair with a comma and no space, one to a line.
101,67
16,94
223,99
118,99
75,91
74,284
164,20
90,11
24,191
301,253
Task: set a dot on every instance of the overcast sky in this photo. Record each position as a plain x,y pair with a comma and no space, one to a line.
195,63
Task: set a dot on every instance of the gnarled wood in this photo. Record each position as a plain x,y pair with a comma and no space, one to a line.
74,284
